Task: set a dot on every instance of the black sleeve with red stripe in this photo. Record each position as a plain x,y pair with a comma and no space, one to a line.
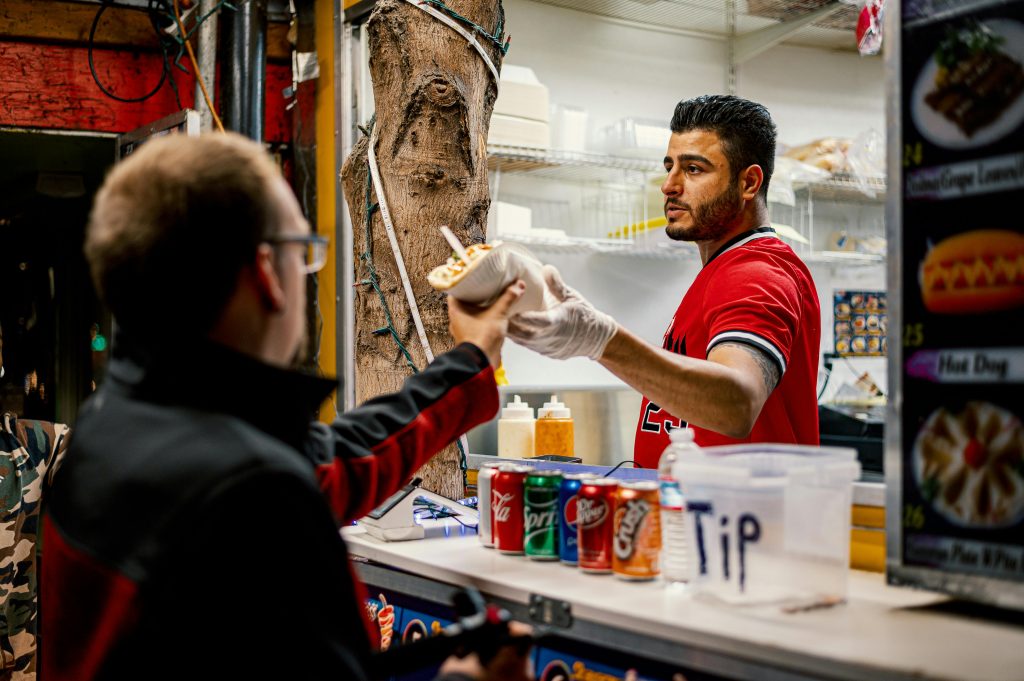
375,447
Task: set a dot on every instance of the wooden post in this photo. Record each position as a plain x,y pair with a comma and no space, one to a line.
434,95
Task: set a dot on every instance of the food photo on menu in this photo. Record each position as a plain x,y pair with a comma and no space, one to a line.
969,93
860,322
969,465
974,272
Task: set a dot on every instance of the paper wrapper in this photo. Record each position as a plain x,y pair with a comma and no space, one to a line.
488,276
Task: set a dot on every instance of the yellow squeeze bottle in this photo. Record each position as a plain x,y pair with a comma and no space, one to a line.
554,431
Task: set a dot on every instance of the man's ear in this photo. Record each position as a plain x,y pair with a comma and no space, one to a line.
753,178
268,284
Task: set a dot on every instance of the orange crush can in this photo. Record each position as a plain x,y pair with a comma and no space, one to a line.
636,541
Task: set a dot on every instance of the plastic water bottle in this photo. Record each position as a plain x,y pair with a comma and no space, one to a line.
674,563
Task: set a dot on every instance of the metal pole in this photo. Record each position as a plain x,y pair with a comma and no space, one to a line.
343,142
207,43
244,61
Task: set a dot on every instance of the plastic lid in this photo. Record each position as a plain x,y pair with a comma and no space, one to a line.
554,409
681,436
518,410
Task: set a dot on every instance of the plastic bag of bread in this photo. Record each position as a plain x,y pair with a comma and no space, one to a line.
828,154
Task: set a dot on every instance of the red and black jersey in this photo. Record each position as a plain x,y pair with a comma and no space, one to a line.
755,290
192,531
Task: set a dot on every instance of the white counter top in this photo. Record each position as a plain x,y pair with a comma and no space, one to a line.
881,633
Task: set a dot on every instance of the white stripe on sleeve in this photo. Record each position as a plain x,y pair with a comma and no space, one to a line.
751,339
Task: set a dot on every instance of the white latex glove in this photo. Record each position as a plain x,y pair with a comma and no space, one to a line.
570,327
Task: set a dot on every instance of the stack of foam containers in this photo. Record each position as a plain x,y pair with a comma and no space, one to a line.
521,116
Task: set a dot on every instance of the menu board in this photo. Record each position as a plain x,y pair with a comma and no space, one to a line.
861,323
961,299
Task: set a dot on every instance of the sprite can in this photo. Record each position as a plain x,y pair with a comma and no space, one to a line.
540,509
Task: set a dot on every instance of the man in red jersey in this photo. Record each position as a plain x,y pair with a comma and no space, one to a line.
739,359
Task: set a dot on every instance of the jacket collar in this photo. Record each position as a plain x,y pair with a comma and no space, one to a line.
203,375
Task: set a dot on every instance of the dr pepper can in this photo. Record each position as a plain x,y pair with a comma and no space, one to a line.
595,505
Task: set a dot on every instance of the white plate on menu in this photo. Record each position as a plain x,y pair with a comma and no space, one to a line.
938,129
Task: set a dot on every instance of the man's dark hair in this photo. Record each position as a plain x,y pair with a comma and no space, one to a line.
172,227
745,128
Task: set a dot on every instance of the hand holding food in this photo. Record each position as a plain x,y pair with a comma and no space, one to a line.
484,327
571,327
480,273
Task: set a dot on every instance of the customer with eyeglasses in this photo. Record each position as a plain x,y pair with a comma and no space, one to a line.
192,531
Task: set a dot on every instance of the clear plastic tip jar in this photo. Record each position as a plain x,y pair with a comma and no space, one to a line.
771,523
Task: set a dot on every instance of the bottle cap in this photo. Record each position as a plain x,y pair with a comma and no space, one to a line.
681,436
554,409
517,410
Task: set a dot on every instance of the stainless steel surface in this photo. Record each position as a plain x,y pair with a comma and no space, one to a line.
604,420
736,664
344,126
207,56
893,234
243,48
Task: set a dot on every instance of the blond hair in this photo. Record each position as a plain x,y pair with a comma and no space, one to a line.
174,225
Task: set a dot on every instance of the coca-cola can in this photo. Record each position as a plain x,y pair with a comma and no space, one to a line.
507,508
485,528
637,539
595,505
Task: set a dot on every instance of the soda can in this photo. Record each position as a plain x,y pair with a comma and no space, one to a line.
568,533
540,522
637,540
485,528
595,505
507,508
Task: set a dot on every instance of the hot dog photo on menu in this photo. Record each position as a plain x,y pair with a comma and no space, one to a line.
974,272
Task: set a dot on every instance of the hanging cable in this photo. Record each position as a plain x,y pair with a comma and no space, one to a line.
92,67
195,63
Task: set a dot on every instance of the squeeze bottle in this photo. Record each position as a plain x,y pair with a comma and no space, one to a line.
554,433
515,430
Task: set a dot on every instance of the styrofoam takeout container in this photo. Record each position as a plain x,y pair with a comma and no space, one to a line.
491,274
770,524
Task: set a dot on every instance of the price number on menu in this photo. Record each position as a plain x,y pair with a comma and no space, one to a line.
913,335
913,516
913,154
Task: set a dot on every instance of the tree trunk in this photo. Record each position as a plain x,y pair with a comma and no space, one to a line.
434,95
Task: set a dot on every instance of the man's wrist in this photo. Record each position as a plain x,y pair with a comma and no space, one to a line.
616,345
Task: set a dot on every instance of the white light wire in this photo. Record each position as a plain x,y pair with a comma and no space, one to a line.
389,227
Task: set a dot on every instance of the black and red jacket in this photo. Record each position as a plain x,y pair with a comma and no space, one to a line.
192,531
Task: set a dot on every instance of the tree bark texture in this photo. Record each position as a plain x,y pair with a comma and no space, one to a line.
434,96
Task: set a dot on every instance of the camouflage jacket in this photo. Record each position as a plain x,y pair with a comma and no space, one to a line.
30,452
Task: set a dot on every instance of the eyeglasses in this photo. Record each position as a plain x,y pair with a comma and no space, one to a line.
315,248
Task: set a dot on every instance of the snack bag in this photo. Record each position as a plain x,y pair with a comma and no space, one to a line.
869,27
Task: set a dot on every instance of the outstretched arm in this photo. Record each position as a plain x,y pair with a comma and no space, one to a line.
724,393
372,450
